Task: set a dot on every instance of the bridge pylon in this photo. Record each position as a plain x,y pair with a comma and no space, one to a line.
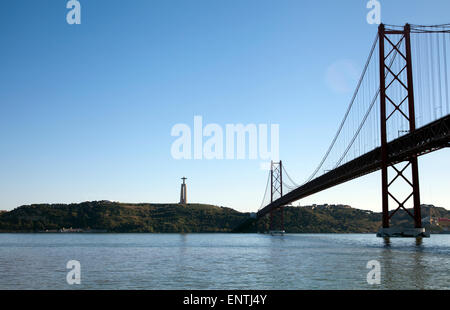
397,43
276,191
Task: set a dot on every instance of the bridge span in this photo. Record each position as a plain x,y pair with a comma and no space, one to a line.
429,138
399,111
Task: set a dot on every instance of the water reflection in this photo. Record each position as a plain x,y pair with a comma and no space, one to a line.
419,241
181,260
401,268
419,270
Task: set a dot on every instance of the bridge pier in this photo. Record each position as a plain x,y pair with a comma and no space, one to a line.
402,232
276,188
387,38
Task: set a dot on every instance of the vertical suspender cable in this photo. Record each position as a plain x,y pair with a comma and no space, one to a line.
446,73
439,74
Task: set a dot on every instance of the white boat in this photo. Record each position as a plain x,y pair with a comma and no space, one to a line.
277,232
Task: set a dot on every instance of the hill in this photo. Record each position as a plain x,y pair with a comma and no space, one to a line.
196,218
121,217
337,219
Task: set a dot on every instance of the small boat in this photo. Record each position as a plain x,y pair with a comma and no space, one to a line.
277,232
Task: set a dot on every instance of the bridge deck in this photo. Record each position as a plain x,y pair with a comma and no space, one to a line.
428,138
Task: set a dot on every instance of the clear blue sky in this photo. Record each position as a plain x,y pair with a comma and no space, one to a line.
86,110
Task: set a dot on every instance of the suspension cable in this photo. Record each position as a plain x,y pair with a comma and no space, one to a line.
292,181
265,192
346,113
374,100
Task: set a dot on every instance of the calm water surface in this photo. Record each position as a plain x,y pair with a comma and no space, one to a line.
222,261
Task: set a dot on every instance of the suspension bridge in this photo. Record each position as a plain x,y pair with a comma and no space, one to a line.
399,111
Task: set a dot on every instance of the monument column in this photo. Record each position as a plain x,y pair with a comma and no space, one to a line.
183,194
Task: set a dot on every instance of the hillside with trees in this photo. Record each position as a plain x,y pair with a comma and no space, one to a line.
114,217
121,217
337,219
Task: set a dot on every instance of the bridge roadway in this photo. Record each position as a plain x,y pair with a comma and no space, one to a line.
429,138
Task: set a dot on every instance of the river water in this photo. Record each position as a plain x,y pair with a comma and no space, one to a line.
222,261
